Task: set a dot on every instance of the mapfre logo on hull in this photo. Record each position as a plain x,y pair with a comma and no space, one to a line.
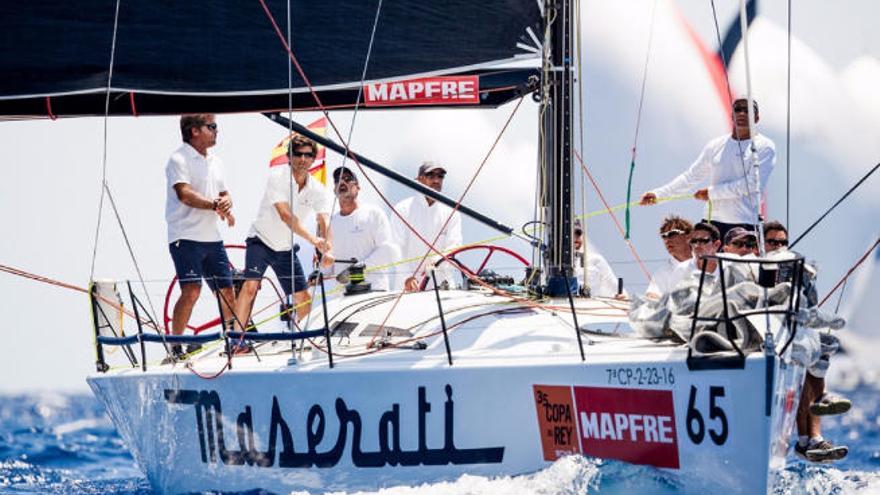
631,425
453,90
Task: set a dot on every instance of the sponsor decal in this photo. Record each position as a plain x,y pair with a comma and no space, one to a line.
210,423
451,90
632,425
556,420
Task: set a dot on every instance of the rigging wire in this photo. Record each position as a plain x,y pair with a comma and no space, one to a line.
788,124
628,242
104,151
836,203
632,164
105,186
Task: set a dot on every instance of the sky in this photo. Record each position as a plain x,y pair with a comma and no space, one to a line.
50,179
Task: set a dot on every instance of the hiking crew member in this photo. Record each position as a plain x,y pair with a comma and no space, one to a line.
726,162
196,198
675,232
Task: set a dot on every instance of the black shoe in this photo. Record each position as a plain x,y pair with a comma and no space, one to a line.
191,348
828,404
177,354
821,452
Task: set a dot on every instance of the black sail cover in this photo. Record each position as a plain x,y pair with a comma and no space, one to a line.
181,56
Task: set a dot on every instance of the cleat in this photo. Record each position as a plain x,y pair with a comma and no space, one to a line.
822,451
828,404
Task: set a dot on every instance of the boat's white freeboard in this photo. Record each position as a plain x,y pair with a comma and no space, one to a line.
516,398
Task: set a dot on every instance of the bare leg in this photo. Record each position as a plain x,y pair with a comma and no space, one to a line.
303,304
245,301
189,294
807,424
227,303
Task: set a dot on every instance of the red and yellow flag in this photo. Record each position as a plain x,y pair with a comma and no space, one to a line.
319,168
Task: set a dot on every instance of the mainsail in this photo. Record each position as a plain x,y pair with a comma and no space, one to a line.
174,57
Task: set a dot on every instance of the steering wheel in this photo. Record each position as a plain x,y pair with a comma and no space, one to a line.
195,328
491,250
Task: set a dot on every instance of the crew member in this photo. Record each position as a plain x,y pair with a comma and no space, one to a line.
269,239
726,162
362,231
675,232
432,220
196,198
815,401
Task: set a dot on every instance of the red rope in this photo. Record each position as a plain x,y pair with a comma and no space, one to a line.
49,108
849,272
629,243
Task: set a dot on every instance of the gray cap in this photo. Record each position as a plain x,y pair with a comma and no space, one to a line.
428,167
738,233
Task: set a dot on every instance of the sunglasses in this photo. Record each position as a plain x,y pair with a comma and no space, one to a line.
742,109
302,154
671,233
699,240
347,178
436,175
739,244
212,126
777,242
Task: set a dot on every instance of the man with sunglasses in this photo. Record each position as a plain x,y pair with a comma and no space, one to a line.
361,231
675,232
196,198
815,401
741,242
269,239
428,218
705,241
727,162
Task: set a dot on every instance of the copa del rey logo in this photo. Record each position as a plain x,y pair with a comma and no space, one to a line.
631,425
452,90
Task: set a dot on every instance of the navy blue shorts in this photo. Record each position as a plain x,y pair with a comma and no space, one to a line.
259,256
194,260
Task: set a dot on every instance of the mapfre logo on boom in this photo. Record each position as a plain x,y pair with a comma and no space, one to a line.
452,90
631,425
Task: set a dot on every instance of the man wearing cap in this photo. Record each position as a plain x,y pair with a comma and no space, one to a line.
727,162
740,241
362,231
675,232
600,278
196,198
269,239
429,218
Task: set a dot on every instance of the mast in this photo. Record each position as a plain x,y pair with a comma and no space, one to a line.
555,145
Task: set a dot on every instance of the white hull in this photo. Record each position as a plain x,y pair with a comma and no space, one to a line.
516,398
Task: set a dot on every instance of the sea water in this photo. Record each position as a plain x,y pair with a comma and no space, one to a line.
65,443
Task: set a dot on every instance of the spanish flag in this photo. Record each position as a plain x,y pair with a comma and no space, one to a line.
319,168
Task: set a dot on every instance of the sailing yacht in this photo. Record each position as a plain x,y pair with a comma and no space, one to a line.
388,388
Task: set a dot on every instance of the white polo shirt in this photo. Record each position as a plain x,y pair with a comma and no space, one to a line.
312,198
365,234
205,176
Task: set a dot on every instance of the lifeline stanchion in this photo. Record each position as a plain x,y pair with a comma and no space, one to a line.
442,319
326,320
137,318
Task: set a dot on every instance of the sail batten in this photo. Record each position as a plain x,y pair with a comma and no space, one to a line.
225,56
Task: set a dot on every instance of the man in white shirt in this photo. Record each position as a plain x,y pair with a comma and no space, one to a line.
269,240
196,198
362,231
429,218
727,163
675,232
600,279
704,241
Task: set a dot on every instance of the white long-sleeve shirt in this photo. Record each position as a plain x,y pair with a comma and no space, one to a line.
727,164
600,277
427,221
365,234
